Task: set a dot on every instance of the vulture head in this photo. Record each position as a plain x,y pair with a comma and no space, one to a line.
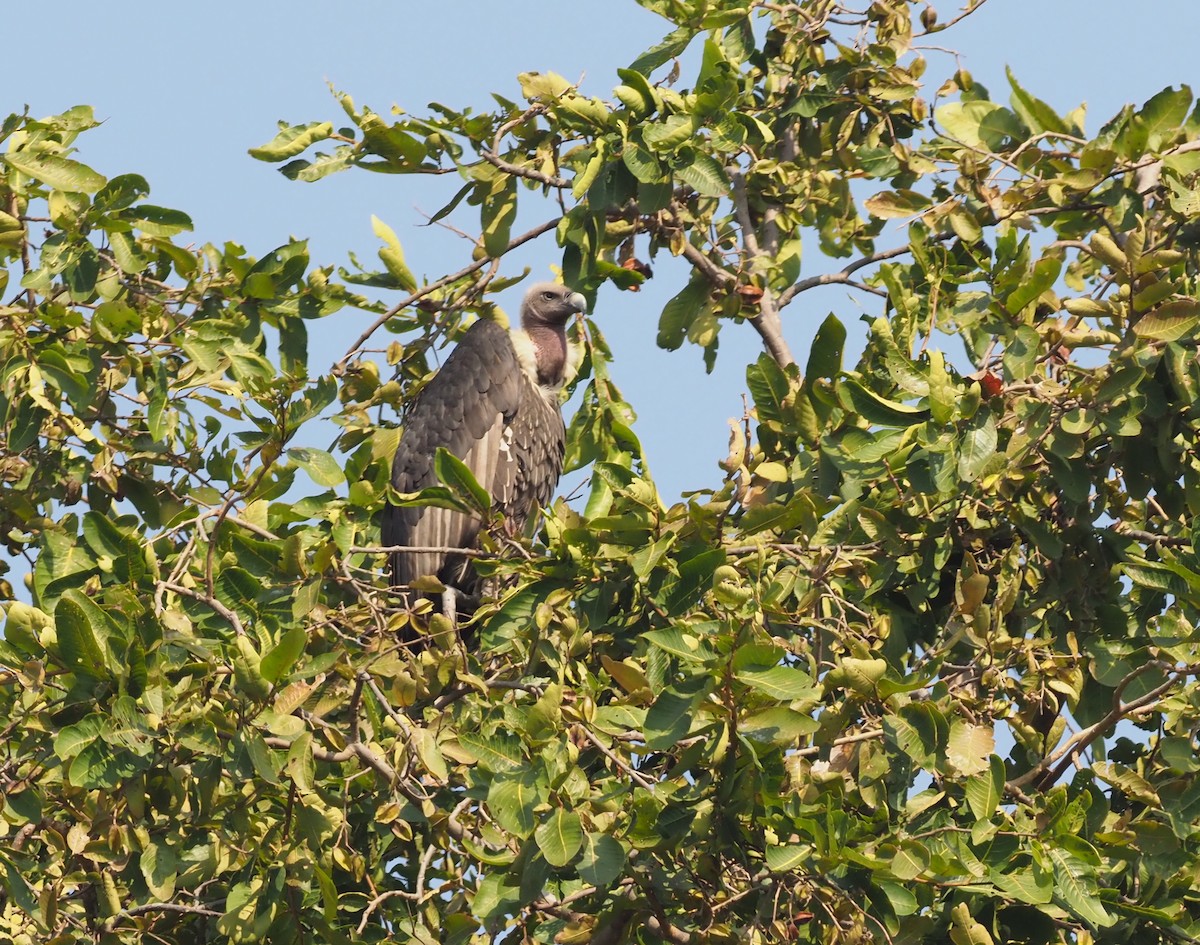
550,305
545,312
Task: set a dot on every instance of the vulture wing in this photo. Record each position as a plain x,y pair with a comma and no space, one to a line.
483,408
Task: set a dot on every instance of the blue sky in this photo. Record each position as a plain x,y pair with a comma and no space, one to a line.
185,90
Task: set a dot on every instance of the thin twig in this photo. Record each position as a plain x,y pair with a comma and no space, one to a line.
434,286
615,759
844,740
216,606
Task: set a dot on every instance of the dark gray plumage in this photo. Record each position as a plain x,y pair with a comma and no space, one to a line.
494,405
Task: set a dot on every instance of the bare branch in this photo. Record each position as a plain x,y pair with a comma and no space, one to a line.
844,740
1051,768
212,602
842,276
615,759
492,155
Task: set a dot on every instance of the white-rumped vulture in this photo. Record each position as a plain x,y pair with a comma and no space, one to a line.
494,405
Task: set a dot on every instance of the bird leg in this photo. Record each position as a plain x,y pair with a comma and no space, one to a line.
450,605
458,603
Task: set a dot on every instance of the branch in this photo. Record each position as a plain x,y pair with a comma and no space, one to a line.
376,763
1051,768
492,155
667,930
434,286
516,170
615,759
844,740
843,275
767,323
714,273
211,601
1119,710
111,921
1152,538
967,11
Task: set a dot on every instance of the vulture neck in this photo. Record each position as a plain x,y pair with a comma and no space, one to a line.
549,352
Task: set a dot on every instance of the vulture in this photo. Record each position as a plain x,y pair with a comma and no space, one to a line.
495,405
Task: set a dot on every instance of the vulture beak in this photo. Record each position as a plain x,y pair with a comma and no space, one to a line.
578,303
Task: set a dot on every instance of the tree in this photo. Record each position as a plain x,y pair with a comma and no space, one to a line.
920,668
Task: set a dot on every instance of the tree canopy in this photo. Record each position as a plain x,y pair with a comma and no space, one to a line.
920,666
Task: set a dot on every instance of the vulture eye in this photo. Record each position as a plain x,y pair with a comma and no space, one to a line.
547,295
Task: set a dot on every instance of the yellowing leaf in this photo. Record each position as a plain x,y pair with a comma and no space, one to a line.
392,255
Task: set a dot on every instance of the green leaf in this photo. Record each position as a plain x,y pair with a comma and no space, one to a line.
778,725
669,134
511,801
1020,355
788,857
670,717
56,172
559,837
392,255
157,221
970,747
825,355
910,860
72,739
1128,780
497,893
859,401
159,866
497,753
646,101
770,387
985,791
321,166
705,176
784,683
291,140
965,930
1043,276
642,164
1170,321
264,761
320,465
978,446
1030,884
458,477
19,891
279,660
1163,114
671,46
497,216
678,641
943,394
425,743
82,634
602,861
1075,885
1037,116
891,204
979,123
679,313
